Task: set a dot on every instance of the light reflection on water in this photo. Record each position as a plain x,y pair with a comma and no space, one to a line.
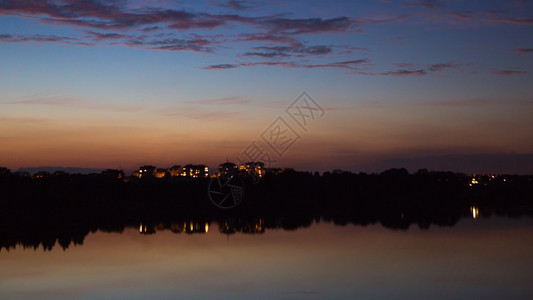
477,258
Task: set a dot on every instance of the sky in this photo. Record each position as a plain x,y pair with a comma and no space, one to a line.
314,85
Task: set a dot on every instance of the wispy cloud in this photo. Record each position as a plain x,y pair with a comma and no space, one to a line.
297,50
266,37
461,103
351,64
114,15
11,119
521,21
524,50
98,36
221,67
430,4
19,38
199,114
223,101
405,65
236,5
73,103
401,72
509,72
114,23
440,67
310,25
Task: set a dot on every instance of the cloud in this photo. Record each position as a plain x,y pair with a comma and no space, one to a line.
509,72
223,101
310,25
97,14
284,51
196,44
221,67
405,65
401,72
367,21
405,69
430,4
439,67
236,5
21,119
19,38
97,36
463,15
461,103
200,115
351,64
521,21
110,16
524,50
113,15
405,73
490,16
266,37
200,45
73,103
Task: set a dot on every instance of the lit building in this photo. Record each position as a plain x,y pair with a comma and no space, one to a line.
145,171
227,168
257,168
160,173
41,174
174,171
195,171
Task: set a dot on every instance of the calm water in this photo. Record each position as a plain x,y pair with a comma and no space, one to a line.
481,259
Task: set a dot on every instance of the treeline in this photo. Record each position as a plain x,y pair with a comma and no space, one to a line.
64,209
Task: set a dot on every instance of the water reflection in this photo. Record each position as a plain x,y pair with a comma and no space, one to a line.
66,232
225,226
485,258
189,227
475,212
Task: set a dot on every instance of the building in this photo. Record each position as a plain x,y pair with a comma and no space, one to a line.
160,173
145,172
254,168
174,171
195,171
41,174
111,173
227,169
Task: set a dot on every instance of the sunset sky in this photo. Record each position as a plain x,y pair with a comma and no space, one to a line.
444,84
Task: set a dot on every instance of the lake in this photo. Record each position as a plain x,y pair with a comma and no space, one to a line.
477,258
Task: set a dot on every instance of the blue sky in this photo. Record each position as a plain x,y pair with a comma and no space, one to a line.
107,83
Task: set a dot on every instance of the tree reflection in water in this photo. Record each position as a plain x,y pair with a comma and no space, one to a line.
63,211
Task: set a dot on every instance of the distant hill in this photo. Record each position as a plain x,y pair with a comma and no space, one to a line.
71,170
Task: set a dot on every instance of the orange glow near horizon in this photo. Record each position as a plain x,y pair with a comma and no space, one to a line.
96,139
